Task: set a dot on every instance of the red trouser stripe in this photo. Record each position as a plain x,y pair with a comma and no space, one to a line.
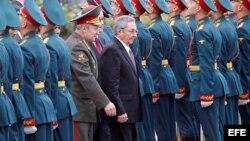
75,132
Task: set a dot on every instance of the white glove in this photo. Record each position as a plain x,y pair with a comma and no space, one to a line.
225,100
243,101
55,124
30,129
155,100
205,104
29,125
156,96
179,95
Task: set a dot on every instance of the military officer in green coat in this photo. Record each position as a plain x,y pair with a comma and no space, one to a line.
86,91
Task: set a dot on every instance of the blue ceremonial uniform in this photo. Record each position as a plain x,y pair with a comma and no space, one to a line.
164,79
178,63
58,81
141,48
244,44
7,112
13,86
229,52
58,78
15,71
206,81
36,63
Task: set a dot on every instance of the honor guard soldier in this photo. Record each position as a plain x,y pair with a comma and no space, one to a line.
243,18
207,85
15,75
36,62
141,48
182,33
106,33
86,91
7,111
229,52
165,83
122,7
227,56
58,78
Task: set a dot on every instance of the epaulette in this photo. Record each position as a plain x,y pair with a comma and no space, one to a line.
24,39
200,22
172,21
152,23
227,17
186,18
217,22
46,39
240,23
200,26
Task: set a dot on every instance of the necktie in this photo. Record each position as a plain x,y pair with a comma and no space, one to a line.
131,55
98,45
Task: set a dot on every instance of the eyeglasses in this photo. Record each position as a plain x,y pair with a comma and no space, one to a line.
170,1
235,0
132,31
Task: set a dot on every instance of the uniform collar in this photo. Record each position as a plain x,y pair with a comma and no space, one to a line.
174,18
6,34
219,20
77,36
187,18
202,21
245,18
29,34
153,21
137,19
48,33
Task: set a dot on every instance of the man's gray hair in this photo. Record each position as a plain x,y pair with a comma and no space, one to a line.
121,22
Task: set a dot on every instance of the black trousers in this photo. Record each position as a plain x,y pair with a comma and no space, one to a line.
122,131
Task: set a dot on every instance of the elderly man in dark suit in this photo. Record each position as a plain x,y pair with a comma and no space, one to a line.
120,80
87,93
